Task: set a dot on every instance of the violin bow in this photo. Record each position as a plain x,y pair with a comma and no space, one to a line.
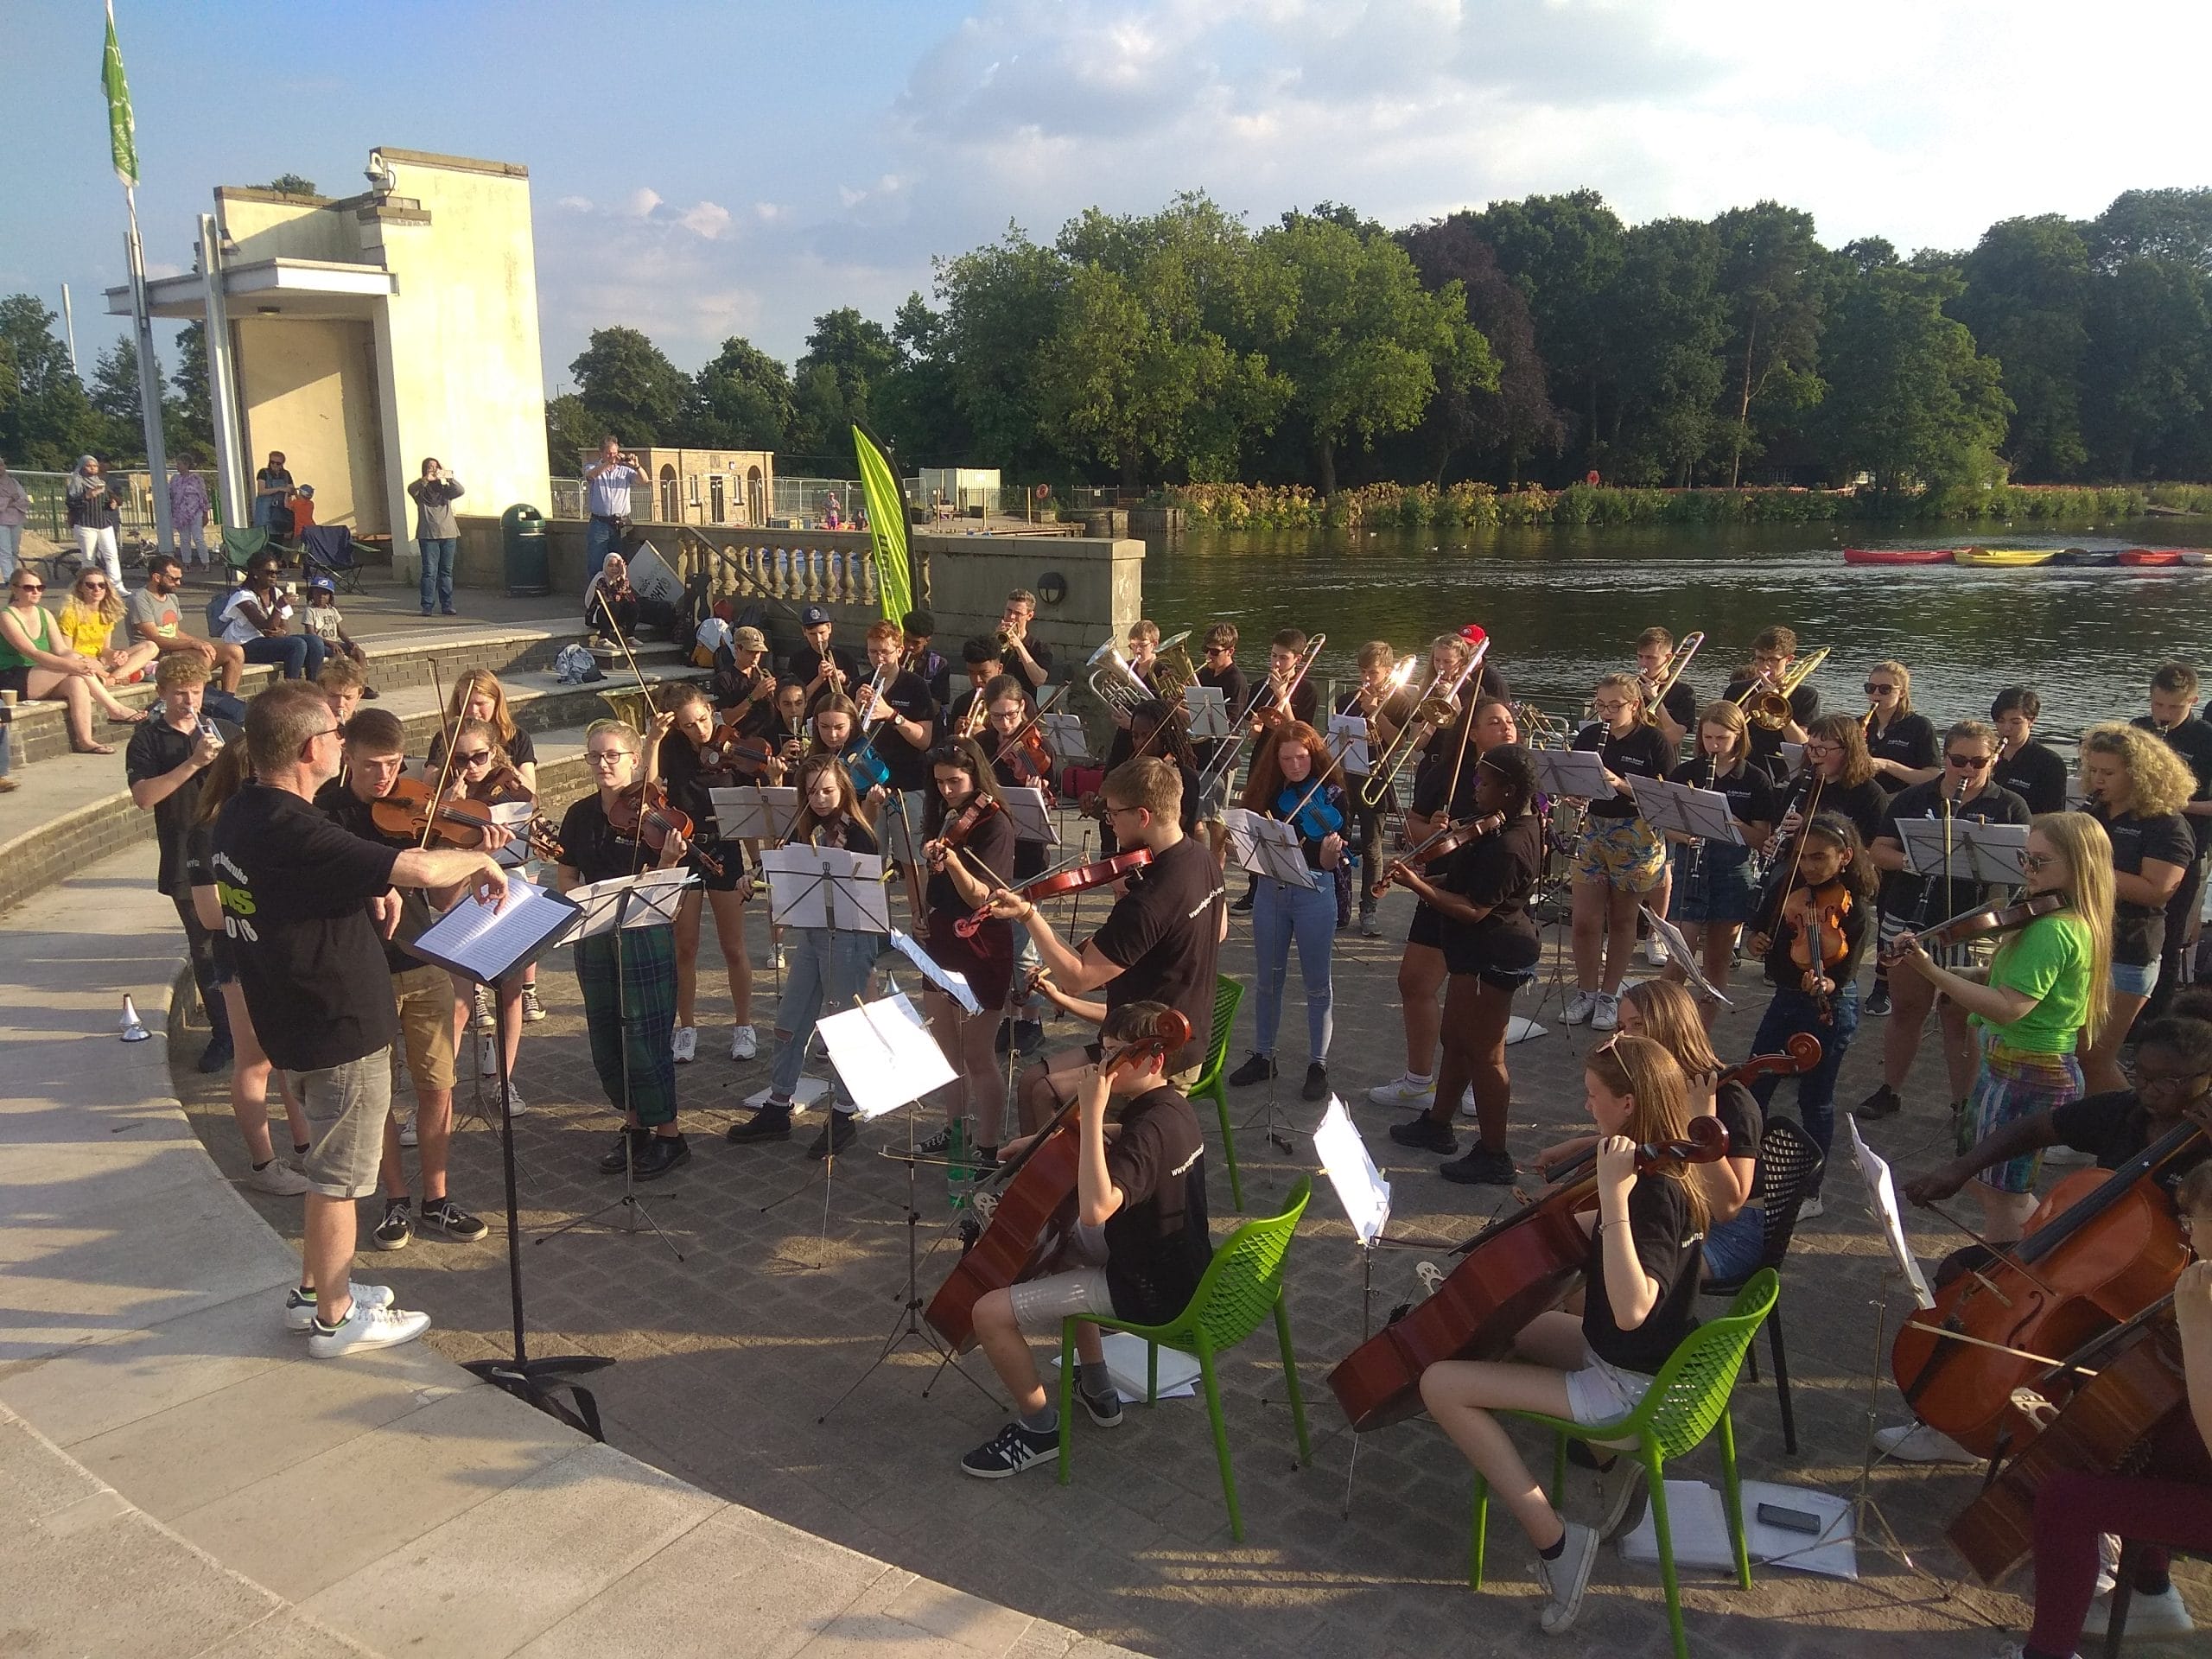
449,729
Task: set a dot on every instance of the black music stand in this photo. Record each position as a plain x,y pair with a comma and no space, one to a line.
488,947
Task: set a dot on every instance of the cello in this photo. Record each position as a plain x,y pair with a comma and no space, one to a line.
1519,1266
2103,1246
1036,1208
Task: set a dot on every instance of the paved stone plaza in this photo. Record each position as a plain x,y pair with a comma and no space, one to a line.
730,1356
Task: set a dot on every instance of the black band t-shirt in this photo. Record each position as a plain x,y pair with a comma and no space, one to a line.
1499,870
353,815
1164,934
1751,797
1659,1228
1157,1245
155,748
1911,741
908,693
2139,931
1643,754
591,848
2035,774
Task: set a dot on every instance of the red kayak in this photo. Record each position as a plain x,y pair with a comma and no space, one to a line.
2142,557
1897,555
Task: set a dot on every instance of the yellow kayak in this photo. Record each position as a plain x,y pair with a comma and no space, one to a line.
2004,557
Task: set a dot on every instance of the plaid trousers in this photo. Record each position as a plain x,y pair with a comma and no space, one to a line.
630,1012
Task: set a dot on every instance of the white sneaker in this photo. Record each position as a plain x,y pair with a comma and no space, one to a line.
2063,1153
407,1137
367,1327
744,1043
1403,1091
2147,1614
483,1009
1566,1579
1606,1016
1810,1208
515,1108
686,1045
299,1311
2015,1650
1917,1443
1467,1102
1579,1011
278,1179
1655,950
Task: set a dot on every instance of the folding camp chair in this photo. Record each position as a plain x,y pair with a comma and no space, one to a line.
329,548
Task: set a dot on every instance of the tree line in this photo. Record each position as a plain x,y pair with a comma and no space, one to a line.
1538,340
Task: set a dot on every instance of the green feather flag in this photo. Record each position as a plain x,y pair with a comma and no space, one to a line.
121,131
886,525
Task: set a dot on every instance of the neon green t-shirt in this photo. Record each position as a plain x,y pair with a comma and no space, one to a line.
2049,960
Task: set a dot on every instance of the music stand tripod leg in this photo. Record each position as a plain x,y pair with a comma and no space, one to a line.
1863,1502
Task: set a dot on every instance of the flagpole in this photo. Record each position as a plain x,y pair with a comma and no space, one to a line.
150,377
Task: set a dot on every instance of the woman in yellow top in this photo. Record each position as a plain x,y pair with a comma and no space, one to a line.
88,620
2046,990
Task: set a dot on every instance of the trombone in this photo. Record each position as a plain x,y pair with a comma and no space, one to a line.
1438,705
1766,702
1224,764
1670,671
1539,730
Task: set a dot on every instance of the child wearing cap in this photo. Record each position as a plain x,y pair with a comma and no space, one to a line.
321,618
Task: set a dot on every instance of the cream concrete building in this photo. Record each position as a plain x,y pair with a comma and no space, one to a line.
359,335
704,486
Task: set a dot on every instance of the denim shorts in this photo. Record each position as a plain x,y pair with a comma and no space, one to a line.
1733,1248
345,1106
1717,887
2134,979
1602,1393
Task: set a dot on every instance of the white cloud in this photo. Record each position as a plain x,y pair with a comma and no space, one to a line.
705,219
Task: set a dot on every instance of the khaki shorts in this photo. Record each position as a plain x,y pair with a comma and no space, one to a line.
345,1106
1625,853
424,998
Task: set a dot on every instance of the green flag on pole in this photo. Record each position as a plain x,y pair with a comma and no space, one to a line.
886,526
122,132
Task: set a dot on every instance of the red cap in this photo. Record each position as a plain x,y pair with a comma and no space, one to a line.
1473,633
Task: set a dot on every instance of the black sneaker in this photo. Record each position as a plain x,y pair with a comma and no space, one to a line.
839,1132
985,1162
444,1217
1878,1002
937,1144
1427,1133
1250,894
1258,1069
1014,1450
397,1230
1104,1409
217,1056
1885,1102
770,1122
1481,1168
659,1154
1317,1081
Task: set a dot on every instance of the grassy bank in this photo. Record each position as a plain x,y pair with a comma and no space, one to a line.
1266,506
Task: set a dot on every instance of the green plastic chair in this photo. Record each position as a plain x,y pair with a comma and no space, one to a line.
1242,1284
1213,1081
242,547
1687,1399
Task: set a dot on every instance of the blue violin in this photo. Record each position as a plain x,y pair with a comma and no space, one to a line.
1311,812
868,769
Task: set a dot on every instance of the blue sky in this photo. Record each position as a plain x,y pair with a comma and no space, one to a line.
703,169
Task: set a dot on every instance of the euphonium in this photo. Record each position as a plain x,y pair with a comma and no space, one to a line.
1113,681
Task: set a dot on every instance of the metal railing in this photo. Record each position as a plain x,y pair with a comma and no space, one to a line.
568,497
49,511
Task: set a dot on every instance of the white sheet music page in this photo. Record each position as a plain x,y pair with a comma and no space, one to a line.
885,1053
485,943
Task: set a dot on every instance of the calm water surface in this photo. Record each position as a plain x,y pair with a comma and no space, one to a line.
1564,606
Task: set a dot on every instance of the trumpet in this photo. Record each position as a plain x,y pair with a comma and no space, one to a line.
1766,702
1225,763
1655,698
1437,708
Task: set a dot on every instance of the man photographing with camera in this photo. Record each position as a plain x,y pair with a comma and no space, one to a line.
607,484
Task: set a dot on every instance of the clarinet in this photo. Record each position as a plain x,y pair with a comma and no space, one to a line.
1697,846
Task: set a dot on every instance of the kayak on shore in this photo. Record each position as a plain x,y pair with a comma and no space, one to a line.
1897,555
2004,557
2143,558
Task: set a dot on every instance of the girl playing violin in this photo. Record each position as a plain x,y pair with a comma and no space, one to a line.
1639,1288
1479,895
1714,888
1027,764
822,967
1294,782
482,772
967,821
681,754
478,695
1812,934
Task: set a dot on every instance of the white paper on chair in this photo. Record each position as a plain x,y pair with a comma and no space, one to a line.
1064,736
1359,1185
1574,774
1207,708
651,902
953,985
1033,819
884,1052
1697,1520
754,811
1126,1365
1882,1198
1348,742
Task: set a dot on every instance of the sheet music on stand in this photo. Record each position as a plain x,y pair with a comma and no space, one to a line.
651,899
1685,810
826,887
514,817
481,943
1348,742
754,812
1882,1199
1064,736
1033,819
1989,854
1359,1185
953,985
1575,774
1207,708
884,1052
1267,846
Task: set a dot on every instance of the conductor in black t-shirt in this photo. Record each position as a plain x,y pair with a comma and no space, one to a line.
1140,1245
306,907
1159,944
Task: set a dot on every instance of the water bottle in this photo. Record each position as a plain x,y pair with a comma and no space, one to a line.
956,1171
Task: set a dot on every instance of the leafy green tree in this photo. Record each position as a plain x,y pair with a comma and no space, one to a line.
1515,419
45,420
1909,400
1565,254
115,397
847,358
291,184
1000,304
1773,279
196,420
1366,345
2026,302
2148,377
570,435
1669,327
2156,225
917,404
629,387
742,400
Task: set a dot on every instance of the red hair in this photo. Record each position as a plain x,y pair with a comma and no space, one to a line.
1266,779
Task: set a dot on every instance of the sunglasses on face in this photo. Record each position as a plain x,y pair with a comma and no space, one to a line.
476,757
1875,688
1969,762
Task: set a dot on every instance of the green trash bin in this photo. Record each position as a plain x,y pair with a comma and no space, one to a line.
521,535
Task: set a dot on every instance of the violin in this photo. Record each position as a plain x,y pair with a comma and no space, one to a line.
1079,878
1308,811
960,827
1036,1208
1516,1267
641,813
1979,923
408,811
1030,762
1815,916
1444,842
2101,1248
729,750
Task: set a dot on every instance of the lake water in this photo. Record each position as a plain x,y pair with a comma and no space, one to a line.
1564,606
